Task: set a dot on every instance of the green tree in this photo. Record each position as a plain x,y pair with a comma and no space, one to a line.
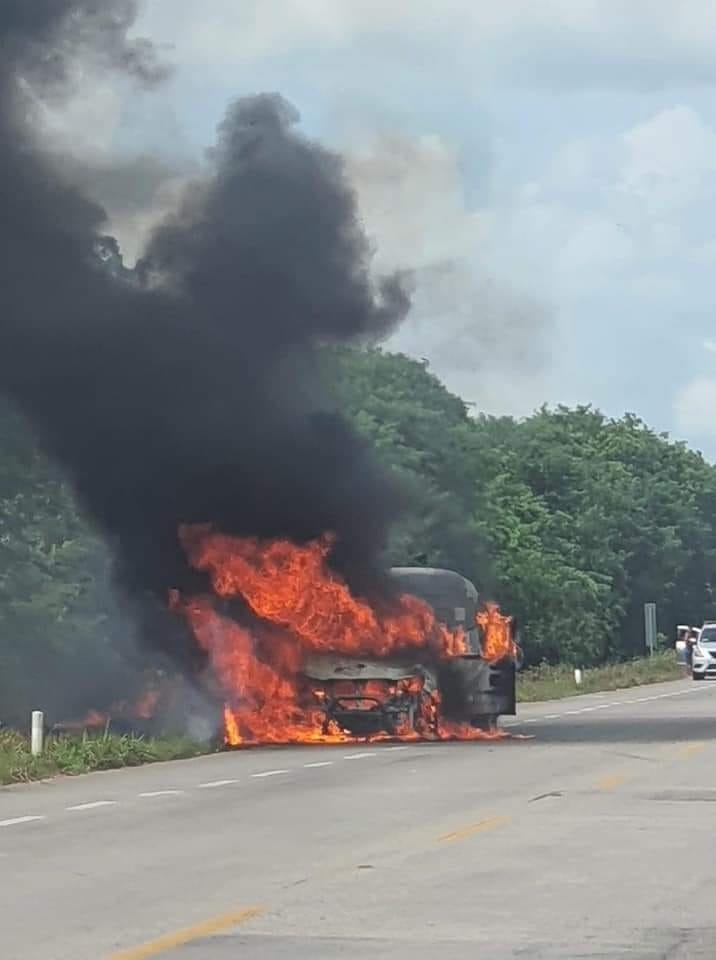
56,609
571,519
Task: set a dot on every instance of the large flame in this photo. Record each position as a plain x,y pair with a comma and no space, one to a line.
291,586
300,608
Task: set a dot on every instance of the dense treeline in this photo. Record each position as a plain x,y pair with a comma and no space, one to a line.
60,630
572,520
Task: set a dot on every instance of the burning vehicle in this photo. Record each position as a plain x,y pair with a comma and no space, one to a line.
307,662
406,697
310,662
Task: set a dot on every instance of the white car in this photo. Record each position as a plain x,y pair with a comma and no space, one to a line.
703,663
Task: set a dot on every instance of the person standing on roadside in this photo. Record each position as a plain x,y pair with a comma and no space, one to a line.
691,639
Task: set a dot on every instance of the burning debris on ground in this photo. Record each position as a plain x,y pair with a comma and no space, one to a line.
246,516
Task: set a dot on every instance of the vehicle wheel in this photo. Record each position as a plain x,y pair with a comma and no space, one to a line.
697,676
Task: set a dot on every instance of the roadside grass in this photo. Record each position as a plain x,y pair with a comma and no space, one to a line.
82,754
555,682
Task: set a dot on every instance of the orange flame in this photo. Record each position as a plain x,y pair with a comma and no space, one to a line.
303,609
291,587
146,706
497,641
143,708
95,719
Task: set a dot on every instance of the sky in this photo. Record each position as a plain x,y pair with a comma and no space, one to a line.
546,170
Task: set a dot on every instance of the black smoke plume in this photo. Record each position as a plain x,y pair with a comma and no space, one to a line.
188,393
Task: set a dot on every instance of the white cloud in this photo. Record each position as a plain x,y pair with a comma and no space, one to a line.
587,42
695,402
617,203
617,233
478,334
696,408
670,161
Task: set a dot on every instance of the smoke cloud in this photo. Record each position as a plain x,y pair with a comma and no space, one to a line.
137,192
188,393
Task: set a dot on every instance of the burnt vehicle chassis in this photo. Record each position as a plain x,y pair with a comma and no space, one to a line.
370,697
390,716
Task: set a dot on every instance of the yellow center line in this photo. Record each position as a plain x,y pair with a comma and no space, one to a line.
172,940
480,827
691,748
612,782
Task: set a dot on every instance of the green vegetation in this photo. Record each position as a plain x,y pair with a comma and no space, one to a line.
553,682
75,755
570,519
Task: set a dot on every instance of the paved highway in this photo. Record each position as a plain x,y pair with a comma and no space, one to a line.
591,839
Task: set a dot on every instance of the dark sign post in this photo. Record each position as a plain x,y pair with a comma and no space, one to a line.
650,627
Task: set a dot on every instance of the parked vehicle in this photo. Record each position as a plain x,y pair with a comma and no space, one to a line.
703,662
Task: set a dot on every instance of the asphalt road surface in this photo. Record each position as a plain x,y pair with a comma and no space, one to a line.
592,839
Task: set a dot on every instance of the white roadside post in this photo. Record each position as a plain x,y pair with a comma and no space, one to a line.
578,676
650,627
37,732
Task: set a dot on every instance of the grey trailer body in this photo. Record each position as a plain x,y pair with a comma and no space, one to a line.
472,688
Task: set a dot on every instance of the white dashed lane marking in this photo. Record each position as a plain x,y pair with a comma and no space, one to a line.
608,706
16,821
162,793
212,784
